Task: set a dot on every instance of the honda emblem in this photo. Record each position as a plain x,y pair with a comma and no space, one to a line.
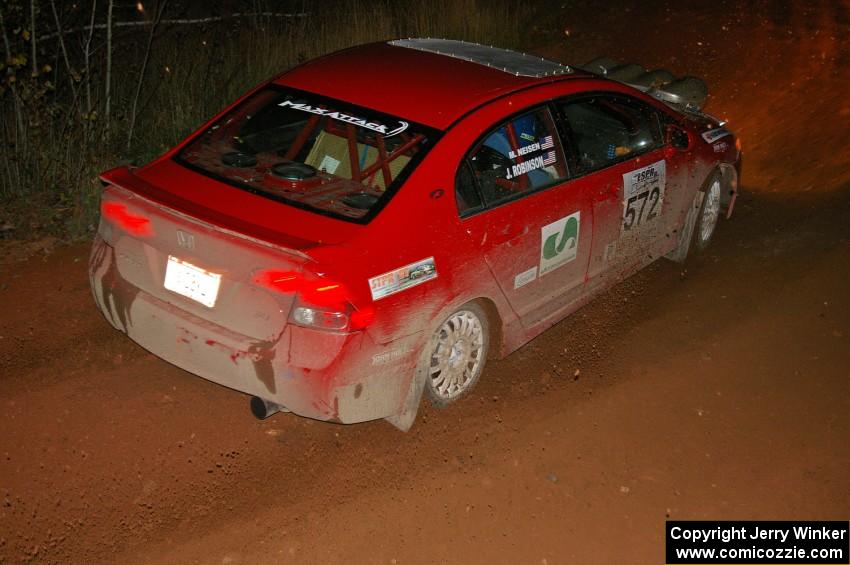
185,239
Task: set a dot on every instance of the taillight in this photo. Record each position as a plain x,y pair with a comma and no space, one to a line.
135,224
318,318
319,302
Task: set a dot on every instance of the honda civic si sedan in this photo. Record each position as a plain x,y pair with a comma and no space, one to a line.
375,224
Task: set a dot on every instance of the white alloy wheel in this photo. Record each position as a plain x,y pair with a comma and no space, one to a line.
709,214
457,355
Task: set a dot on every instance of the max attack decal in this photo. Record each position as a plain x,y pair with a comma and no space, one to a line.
713,135
559,242
643,192
380,128
402,278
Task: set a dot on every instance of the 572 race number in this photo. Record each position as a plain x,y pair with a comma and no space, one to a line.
637,205
643,192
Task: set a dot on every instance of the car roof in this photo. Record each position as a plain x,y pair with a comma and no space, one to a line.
430,81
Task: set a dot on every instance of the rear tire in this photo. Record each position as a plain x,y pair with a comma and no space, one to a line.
455,354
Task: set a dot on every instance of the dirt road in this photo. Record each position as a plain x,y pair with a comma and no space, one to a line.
720,390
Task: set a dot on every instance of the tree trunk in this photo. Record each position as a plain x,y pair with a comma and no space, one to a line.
34,61
87,55
106,113
142,73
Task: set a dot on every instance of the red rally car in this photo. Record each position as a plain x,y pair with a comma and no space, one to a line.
375,223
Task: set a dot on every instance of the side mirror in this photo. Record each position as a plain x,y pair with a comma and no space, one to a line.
677,138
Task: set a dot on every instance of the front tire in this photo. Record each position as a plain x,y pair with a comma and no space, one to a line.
709,213
456,354
701,220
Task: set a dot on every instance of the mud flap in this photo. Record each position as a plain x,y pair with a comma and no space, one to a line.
679,254
405,418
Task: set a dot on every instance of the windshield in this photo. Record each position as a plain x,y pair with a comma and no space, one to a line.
311,152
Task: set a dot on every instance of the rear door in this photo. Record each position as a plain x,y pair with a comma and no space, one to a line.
534,227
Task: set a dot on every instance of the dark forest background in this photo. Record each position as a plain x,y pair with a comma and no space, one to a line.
91,84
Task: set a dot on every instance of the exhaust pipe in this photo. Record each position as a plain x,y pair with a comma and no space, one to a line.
262,409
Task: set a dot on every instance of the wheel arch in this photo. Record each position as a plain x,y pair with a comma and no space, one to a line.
729,179
494,325
497,326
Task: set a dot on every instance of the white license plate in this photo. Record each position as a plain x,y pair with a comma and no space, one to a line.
192,282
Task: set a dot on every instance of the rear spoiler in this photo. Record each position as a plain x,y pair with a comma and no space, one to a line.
683,93
132,185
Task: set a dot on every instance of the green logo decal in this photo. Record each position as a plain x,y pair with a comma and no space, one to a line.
552,247
559,242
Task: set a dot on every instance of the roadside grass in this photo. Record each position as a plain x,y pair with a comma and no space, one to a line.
55,144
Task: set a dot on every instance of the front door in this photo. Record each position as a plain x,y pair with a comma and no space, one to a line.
615,145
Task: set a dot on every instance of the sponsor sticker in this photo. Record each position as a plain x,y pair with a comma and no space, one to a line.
525,277
374,126
559,242
402,278
643,192
390,356
610,251
713,135
329,164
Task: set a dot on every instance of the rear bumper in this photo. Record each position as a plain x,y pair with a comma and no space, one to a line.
338,377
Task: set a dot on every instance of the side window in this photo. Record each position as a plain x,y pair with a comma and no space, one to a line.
605,130
466,192
519,156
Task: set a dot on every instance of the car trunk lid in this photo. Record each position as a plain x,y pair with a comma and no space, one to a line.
206,269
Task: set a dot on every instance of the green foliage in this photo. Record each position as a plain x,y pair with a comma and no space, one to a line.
55,141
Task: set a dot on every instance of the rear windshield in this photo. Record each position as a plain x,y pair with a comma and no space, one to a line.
311,152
